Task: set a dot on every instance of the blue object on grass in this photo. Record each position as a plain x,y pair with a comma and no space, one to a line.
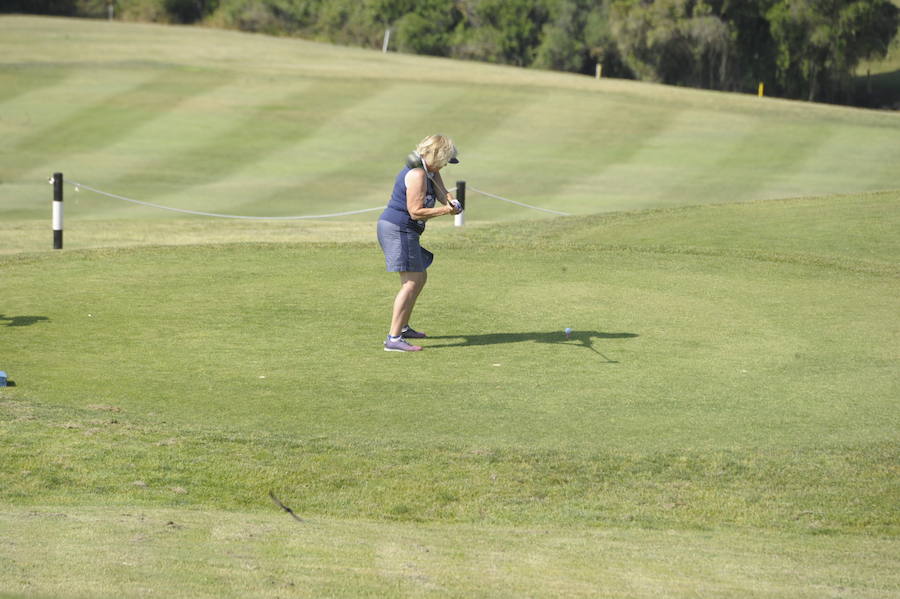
2,378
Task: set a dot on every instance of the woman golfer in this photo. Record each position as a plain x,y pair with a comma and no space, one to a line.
417,187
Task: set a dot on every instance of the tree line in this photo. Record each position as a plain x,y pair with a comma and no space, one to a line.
804,49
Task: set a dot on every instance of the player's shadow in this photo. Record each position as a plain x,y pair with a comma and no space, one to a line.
20,321
576,339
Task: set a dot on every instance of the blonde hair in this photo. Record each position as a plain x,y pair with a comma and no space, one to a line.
437,150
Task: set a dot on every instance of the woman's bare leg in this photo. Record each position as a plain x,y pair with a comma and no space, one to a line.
411,284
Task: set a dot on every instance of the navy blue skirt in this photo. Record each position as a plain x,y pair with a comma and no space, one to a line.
402,252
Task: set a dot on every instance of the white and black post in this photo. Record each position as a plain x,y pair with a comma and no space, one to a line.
57,211
459,220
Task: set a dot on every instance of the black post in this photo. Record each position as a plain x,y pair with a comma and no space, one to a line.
57,211
461,193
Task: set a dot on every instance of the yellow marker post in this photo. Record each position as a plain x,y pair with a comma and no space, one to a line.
761,89
599,70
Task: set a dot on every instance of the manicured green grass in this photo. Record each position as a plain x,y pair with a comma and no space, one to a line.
214,553
720,386
245,124
722,422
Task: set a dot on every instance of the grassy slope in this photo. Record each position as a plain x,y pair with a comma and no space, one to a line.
229,122
722,421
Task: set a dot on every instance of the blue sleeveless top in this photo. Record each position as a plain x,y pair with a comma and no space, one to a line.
396,209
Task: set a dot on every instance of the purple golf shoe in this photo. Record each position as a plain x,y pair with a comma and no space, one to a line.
411,333
400,345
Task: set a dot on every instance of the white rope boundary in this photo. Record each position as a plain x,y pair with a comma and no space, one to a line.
79,186
496,197
198,213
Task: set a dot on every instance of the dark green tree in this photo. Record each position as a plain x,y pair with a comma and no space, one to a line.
426,30
819,42
562,46
189,11
507,31
753,44
274,17
678,42
601,44
40,7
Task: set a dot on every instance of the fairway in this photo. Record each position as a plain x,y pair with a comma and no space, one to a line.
242,124
722,422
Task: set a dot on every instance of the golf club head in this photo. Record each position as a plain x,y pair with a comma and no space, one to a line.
413,160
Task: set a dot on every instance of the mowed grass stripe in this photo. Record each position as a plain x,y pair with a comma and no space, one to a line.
18,80
673,159
845,232
873,161
383,147
262,127
794,166
557,145
736,142
72,93
371,138
189,132
109,118
684,163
